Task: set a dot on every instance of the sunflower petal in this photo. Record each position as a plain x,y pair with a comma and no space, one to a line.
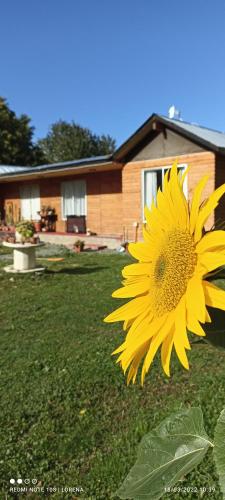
211,241
135,344
155,343
211,260
184,175
181,353
180,201
135,270
214,296
166,351
140,324
180,323
148,238
206,210
128,311
194,325
142,286
196,202
136,362
195,298
140,251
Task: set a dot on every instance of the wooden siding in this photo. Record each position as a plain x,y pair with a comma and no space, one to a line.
104,200
200,164
219,180
114,198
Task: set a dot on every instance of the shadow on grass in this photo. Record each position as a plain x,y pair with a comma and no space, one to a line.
76,270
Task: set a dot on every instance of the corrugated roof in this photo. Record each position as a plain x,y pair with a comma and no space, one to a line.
211,136
208,138
10,169
6,170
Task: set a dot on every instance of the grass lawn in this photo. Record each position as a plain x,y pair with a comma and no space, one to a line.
67,416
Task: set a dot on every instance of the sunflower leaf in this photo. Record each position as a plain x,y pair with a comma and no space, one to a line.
219,450
165,455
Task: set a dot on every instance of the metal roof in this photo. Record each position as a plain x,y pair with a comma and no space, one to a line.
205,137
6,170
211,136
10,169
208,138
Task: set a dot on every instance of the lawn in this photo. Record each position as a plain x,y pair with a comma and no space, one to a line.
67,416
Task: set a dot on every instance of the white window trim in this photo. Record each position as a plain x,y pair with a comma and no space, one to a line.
85,199
32,216
154,169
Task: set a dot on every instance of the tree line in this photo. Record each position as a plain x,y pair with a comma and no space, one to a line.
64,141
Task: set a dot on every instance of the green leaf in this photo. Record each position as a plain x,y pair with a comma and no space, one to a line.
219,450
165,455
218,280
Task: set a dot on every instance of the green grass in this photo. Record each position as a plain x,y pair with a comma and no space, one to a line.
56,361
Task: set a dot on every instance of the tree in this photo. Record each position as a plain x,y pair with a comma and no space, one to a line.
16,139
69,141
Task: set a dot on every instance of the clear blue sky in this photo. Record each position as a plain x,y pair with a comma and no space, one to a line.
109,64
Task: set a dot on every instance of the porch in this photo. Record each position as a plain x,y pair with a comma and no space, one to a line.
93,242
68,239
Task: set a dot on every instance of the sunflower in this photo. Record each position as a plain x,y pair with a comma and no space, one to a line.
168,285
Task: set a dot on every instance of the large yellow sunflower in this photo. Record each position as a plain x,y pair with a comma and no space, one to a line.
168,284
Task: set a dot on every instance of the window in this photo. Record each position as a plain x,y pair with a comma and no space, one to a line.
73,198
152,180
30,201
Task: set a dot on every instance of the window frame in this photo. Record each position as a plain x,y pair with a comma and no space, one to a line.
64,218
29,187
163,169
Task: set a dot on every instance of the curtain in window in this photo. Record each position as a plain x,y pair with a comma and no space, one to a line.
73,198
30,201
35,202
150,187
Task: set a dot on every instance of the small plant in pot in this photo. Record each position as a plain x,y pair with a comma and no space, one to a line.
37,224
79,246
24,231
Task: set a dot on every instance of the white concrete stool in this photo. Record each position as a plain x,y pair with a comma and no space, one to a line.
24,259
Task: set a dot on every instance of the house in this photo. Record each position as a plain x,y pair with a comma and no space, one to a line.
107,194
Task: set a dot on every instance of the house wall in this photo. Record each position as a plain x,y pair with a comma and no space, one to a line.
200,163
219,180
167,143
104,200
114,198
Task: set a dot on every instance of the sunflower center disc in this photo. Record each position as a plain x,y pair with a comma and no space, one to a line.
173,268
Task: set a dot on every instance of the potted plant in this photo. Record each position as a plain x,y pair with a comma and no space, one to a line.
11,239
34,240
37,225
43,211
50,210
24,231
79,246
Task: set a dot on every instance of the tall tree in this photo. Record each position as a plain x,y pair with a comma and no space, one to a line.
16,139
69,141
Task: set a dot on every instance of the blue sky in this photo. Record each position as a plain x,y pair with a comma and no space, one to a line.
109,64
